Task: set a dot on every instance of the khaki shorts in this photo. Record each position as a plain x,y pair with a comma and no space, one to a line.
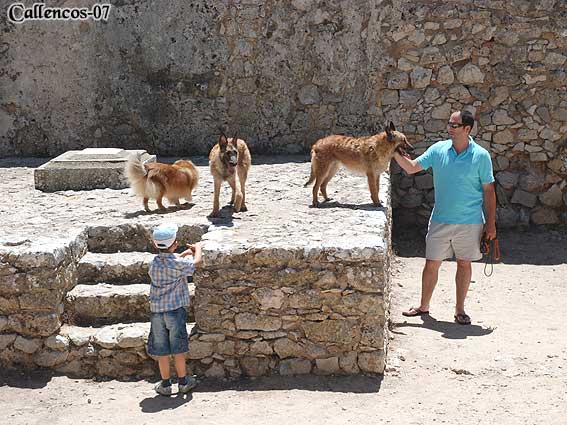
461,240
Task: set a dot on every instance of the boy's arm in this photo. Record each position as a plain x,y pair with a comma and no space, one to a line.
196,251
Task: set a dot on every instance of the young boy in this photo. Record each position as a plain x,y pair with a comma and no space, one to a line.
169,294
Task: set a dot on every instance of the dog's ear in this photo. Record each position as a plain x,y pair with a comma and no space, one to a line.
223,142
235,138
392,128
389,135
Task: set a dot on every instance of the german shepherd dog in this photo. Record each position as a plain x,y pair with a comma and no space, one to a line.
228,158
155,180
370,155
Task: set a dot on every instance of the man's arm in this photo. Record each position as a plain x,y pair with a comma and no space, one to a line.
489,206
410,166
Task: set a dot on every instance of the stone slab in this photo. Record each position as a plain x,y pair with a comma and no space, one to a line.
91,168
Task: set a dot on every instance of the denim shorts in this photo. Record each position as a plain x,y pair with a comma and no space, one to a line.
168,333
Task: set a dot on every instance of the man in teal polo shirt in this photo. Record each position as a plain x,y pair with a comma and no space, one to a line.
465,208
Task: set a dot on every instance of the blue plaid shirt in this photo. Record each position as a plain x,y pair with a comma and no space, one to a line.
169,289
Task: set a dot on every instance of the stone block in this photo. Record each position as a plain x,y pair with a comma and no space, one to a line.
91,168
295,367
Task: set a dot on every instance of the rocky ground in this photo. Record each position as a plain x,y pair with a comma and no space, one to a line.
508,367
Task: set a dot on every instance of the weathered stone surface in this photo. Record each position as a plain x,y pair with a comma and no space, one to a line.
34,324
349,363
420,77
531,182
524,198
500,117
544,216
6,340
255,366
216,371
27,345
284,348
507,179
399,80
200,350
424,181
334,331
269,298
3,323
257,322
470,74
503,137
47,358
57,342
295,367
553,197
327,366
372,362
77,335
445,75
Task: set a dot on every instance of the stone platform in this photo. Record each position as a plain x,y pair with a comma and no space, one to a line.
91,168
285,289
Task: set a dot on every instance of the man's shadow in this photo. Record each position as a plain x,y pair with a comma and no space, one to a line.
158,403
449,330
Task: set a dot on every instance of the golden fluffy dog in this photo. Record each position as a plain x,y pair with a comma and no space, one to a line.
369,155
155,180
230,158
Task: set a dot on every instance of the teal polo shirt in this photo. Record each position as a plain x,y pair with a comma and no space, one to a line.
458,181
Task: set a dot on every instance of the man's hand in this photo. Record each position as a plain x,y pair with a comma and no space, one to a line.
490,231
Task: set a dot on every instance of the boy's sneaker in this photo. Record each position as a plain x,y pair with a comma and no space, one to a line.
191,383
161,390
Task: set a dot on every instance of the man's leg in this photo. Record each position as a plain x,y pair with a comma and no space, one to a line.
429,278
463,280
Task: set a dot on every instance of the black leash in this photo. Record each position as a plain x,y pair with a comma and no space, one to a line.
491,250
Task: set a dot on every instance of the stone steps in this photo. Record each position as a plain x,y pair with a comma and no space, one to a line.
105,304
119,268
117,351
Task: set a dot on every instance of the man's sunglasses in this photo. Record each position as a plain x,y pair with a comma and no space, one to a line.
455,124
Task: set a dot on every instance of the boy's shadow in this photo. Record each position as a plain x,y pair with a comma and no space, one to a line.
158,403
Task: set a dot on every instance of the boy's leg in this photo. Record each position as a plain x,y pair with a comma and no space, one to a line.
180,366
163,362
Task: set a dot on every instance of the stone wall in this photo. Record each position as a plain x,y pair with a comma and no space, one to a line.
291,311
282,74
33,283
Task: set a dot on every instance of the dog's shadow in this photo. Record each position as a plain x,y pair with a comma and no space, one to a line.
364,207
167,210
225,217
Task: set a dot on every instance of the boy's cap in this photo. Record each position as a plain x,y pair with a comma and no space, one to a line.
164,235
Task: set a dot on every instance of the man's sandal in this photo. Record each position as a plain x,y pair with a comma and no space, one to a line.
414,311
462,319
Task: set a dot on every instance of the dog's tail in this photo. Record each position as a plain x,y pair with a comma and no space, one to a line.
312,176
135,170
138,177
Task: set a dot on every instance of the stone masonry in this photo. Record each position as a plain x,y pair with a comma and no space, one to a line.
283,74
285,288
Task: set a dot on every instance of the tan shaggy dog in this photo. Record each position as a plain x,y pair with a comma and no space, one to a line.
228,159
369,155
155,180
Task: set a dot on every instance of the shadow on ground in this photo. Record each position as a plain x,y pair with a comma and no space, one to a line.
449,330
